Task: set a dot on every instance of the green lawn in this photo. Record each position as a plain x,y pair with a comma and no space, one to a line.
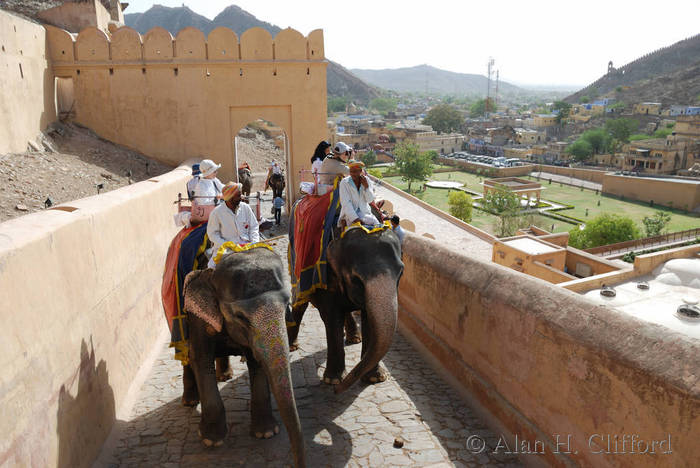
587,199
581,200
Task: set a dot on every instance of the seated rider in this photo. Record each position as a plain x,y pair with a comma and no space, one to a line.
207,192
232,221
192,183
355,196
333,166
273,169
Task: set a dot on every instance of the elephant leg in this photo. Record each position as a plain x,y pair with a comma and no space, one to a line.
293,331
352,333
212,426
335,364
377,374
223,369
190,395
262,422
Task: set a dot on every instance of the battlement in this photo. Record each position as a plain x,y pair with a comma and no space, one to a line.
127,46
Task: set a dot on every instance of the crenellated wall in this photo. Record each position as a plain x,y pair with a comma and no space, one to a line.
545,364
188,96
80,284
26,83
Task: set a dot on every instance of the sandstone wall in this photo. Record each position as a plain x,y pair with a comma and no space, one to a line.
575,172
543,362
26,83
81,290
667,192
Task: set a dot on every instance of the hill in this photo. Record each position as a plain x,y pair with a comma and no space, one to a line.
668,75
340,82
416,79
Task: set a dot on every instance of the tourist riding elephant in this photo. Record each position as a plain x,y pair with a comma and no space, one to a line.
277,184
239,308
363,274
245,177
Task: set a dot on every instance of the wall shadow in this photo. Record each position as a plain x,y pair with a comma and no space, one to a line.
85,420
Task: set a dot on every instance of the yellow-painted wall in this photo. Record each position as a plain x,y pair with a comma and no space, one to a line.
81,289
26,83
188,96
662,191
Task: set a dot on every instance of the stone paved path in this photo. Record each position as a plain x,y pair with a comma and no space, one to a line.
356,428
445,232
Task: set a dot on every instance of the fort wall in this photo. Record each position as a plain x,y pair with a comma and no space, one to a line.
575,172
684,195
541,361
81,289
26,83
185,97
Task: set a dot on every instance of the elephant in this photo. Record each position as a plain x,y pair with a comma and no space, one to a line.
245,177
363,274
277,184
238,308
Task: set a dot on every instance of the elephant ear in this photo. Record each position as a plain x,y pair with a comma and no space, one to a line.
200,298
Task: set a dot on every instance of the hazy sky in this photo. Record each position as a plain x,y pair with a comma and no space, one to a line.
561,42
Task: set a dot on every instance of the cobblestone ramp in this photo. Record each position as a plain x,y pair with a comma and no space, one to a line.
356,428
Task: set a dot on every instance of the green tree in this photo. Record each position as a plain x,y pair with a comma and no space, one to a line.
581,150
653,225
460,205
433,155
585,100
482,106
598,139
369,158
337,104
383,104
621,129
444,118
564,109
411,163
506,205
602,230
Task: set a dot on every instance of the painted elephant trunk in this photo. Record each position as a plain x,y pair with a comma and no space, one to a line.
271,349
382,306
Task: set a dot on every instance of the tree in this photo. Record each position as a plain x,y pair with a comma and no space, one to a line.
443,118
653,225
598,139
411,163
585,100
581,150
383,105
506,205
369,158
564,108
337,104
433,155
482,106
602,230
621,129
460,205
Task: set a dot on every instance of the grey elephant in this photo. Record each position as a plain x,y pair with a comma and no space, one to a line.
245,177
364,270
238,308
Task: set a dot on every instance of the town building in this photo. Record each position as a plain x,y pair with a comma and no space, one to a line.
647,108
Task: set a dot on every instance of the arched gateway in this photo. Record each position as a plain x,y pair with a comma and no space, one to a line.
185,97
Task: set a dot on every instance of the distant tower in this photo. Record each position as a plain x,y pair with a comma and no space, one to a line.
611,69
488,86
495,98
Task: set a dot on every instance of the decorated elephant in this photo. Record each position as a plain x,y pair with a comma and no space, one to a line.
245,177
363,274
238,308
276,183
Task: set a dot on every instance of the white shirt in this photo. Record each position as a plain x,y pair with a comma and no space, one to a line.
275,169
224,225
191,184
208,189
354,203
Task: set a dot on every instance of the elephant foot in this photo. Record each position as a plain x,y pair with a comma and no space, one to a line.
189,402
294,345
374,376
332,378
264,427
224,372
353,339
210,442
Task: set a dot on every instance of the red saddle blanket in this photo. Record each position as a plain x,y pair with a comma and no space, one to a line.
309,216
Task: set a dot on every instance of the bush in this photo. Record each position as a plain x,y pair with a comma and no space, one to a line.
375,172
460,205
604,229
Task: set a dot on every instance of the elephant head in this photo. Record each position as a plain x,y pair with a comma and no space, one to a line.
366,268
247,295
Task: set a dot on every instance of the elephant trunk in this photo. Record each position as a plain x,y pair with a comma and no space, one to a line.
381,307
271,349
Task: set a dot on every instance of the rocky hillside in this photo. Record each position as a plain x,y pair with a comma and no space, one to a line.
340,82
668,75
414,79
